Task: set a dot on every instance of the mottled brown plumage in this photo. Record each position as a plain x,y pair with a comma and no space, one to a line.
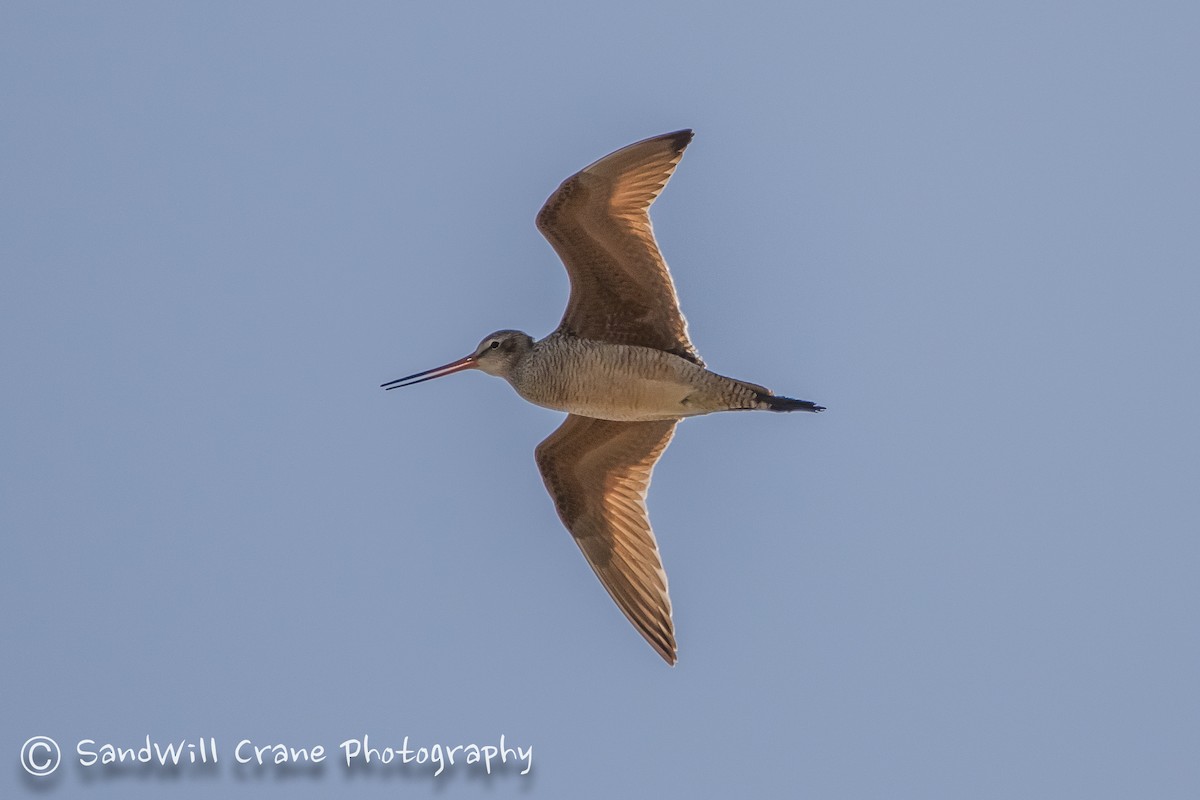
598,472
623,368
599,224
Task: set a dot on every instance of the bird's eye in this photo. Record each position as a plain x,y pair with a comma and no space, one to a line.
495,343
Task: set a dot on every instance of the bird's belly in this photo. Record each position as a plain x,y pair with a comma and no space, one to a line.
629,401
625,392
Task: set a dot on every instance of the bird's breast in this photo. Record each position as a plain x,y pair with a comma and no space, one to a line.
609,381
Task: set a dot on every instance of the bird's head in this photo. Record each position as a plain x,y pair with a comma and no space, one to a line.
497,354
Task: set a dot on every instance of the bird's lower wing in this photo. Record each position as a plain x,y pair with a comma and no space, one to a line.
598,471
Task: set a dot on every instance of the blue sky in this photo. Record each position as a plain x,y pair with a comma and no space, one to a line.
971,232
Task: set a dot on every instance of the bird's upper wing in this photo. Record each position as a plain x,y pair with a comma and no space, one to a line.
597,471
599,223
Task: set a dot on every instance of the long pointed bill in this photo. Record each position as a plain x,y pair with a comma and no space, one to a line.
430,374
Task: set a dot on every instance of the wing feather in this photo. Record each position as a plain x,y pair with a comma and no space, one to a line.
598,472
598,221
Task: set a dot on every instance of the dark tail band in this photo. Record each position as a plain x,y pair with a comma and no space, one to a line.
776,403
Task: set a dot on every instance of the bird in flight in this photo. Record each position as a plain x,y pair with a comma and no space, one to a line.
623,368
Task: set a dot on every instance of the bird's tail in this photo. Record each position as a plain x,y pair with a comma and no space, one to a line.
773,402
764,400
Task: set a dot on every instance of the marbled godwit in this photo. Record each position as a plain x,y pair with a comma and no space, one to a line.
622,367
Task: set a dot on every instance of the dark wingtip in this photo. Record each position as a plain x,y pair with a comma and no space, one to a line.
680,139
